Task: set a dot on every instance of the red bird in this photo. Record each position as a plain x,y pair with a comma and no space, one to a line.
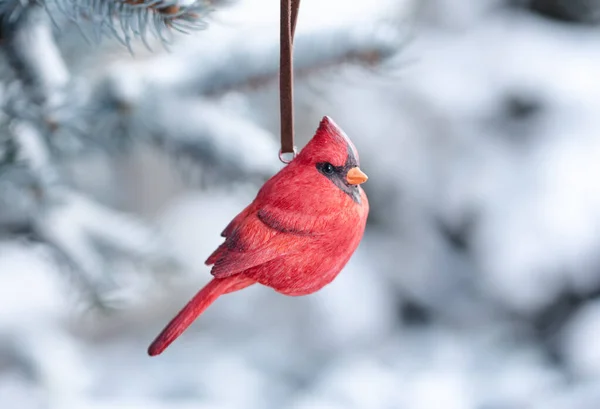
297,234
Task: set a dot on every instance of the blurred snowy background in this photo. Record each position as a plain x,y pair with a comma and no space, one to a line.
477,285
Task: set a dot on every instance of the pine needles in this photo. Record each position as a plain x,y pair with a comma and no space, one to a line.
124,20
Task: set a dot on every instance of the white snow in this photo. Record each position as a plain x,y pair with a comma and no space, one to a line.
436,136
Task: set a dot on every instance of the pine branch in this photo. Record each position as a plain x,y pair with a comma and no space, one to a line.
186,127
41,95
314,52
127,20
79,228
217,68
75,227
234,147
35,184
124,20
35,57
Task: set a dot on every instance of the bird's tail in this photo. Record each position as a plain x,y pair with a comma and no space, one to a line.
196,306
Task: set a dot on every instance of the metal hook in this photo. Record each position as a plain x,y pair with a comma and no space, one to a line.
285,160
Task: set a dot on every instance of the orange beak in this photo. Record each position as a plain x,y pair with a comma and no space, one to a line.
356,176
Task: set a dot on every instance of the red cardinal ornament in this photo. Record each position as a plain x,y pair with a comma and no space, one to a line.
297,234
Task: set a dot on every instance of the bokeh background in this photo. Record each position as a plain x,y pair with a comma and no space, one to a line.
477,283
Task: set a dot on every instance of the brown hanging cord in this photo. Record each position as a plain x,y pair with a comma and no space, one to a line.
288,18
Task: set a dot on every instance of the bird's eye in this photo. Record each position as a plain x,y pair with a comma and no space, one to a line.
327,168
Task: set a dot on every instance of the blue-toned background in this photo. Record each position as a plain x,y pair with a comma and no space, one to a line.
477,284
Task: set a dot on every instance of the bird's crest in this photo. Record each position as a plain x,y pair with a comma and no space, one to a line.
329,144
329,127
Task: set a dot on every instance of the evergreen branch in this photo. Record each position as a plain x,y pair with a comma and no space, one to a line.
216,69
313,52
126,20
232,147
36,203
33,54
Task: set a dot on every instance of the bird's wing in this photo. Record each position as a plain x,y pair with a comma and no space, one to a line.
260,237
231,227
236,221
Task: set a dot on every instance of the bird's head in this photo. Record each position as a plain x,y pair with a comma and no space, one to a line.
334,157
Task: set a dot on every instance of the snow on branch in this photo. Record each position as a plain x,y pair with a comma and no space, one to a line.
126,20
217,55
314,51
35,201
34,55
78,229
85,233
221,140
226,146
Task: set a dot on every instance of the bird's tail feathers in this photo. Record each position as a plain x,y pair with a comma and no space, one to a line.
196,306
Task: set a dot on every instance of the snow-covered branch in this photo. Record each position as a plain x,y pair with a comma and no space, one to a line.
235,147
205,66
35,57
78,229
127,20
